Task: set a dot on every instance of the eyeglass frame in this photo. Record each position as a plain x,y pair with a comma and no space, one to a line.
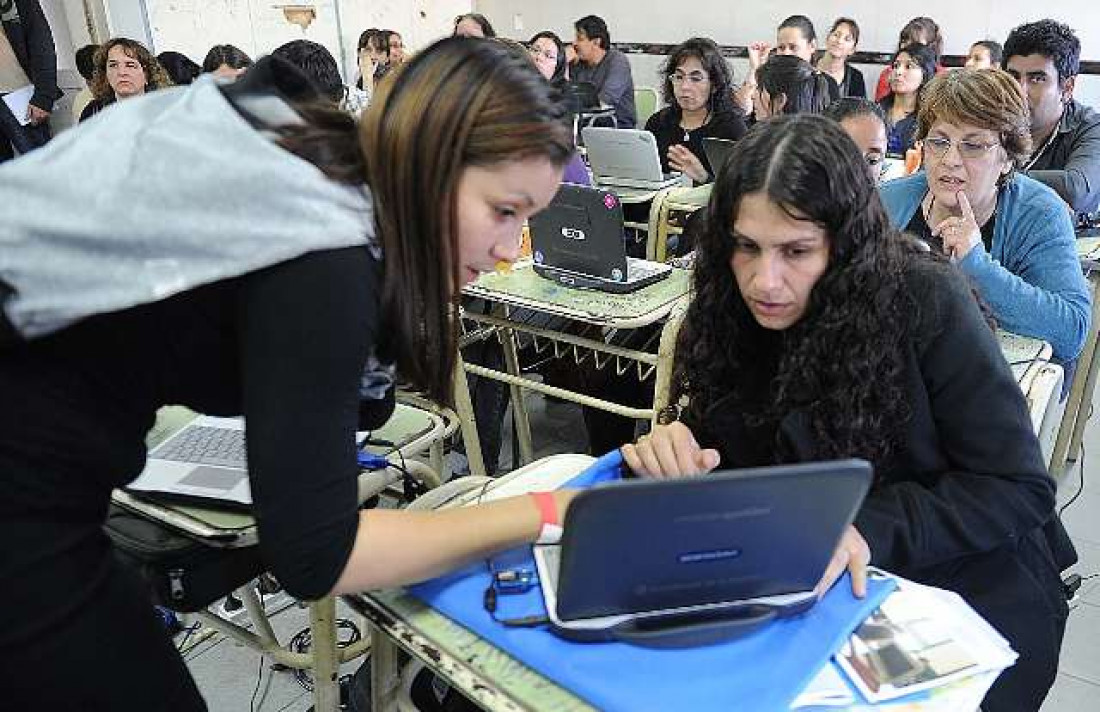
696,77
542,53
976,151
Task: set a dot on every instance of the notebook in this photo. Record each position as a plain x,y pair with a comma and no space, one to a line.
696,560
626,158
578,241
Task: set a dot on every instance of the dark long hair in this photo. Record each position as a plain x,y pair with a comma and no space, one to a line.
462,102
806,89
721,78
560,66
842,363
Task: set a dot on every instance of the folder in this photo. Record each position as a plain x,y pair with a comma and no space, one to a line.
763,671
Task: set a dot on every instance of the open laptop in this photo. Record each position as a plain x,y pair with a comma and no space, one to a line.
718,150
578,241
203,463
697,560
626,158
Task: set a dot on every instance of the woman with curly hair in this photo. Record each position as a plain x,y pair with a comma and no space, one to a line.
818,331
698,91
124,68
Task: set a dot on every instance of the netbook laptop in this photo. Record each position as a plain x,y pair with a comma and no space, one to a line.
578,241
718,150
626,158
203,463
697,560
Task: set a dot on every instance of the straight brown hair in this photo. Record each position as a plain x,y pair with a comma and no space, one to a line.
461,102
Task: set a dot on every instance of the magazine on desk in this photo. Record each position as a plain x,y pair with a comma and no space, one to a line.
922,643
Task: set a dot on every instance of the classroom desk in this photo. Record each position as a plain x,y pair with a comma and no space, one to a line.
484,673
412,429
522,291
1079,401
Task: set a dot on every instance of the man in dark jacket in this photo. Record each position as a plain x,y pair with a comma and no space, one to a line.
27,57
1044,57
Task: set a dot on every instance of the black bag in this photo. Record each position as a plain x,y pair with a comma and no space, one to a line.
185,574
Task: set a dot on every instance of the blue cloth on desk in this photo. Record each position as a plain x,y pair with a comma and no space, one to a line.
769,667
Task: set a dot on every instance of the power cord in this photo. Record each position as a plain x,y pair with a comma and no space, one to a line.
303,640
1080,472
256,690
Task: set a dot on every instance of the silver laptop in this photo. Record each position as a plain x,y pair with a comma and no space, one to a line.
204,460
626,158
697,560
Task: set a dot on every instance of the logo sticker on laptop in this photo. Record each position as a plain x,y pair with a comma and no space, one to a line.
617,275
539,257
609,201
571,233
695,557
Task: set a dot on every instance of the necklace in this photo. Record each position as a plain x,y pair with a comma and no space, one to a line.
687,131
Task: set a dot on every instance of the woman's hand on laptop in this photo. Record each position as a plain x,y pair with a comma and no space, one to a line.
680,158
851,554
669,451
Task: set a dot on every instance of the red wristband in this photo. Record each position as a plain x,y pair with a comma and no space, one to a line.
550,529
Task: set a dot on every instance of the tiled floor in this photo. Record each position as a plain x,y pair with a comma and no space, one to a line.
227,672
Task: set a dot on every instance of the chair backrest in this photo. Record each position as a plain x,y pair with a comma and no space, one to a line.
645,103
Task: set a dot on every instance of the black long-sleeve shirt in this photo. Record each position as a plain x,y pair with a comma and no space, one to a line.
285,347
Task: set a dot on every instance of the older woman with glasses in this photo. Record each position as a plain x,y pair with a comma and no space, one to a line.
698,90
1010,234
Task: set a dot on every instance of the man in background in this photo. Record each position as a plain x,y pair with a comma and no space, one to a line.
605,68
27,58
1044,57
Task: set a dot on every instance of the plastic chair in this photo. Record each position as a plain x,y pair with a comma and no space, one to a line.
646,101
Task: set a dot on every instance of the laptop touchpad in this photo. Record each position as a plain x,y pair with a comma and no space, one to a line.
214,478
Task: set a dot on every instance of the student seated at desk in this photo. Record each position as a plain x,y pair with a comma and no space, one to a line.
324,286
786,84
698,90
1011,235
863,121
818,331
1045,57
912,68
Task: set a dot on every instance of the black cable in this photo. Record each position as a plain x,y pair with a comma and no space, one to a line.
187,632
1080,472
303,641
256,690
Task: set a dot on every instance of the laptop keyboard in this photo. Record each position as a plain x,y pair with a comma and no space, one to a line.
640,269
551,556
206,445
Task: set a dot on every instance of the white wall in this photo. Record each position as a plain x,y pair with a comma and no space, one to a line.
258,26
729,23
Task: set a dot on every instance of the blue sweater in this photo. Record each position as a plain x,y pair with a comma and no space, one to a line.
1031,278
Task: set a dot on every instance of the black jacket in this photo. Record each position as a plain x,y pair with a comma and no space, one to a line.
32,42
965,503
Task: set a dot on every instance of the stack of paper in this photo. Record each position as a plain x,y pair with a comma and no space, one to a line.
924,648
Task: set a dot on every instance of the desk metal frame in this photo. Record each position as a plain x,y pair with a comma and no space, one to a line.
523,289
1067,447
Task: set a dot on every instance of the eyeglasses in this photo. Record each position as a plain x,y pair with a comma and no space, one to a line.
694,77
546,54
969,150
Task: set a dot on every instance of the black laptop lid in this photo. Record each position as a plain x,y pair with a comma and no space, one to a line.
581,231
718,150
728,536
